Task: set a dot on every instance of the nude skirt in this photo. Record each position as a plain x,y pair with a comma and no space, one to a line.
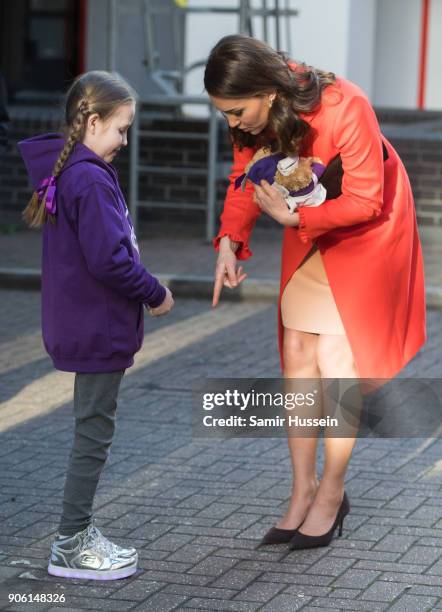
307,303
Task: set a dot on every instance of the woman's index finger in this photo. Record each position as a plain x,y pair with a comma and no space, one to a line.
217,287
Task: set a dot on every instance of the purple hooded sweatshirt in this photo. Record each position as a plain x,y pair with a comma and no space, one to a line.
93,283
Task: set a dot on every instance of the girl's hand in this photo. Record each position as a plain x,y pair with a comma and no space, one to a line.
270,201
165,307
226,272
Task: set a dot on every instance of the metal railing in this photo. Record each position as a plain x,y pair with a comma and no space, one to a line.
214,169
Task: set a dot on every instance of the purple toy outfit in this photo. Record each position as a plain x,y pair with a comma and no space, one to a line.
265,169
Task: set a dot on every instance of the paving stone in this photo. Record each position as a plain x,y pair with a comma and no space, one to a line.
58,609
346,604
162,601
343,593
299,579
170,542
235,579
362,554
330,566
383,591
199,603
423,555
151,555
437,567
137,590
371,533
270,553
413,603
406,502
174,578
218,510
317,609
430,514
191,553
273,566
285,603
165,566
238,521
393,543
437,542
344,544
356,578
192,530
435,591
414,579
213,566
305,589
259,592
389,567
427,532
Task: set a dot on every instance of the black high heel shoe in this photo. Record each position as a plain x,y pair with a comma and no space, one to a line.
276,535
301,540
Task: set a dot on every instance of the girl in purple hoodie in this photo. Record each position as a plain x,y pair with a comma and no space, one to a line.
94,288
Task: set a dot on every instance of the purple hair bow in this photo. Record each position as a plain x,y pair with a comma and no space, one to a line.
48,186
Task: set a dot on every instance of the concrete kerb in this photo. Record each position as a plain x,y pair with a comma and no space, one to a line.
201,287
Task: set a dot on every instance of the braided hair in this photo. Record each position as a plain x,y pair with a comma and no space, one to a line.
97,92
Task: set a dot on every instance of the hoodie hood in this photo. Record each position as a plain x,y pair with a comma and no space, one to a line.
41,152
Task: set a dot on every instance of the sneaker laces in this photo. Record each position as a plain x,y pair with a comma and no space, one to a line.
97,540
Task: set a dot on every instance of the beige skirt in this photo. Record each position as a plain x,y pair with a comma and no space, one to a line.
307,303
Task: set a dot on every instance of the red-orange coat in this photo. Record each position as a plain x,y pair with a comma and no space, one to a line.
367,237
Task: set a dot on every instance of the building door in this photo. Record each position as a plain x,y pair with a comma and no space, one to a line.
40,44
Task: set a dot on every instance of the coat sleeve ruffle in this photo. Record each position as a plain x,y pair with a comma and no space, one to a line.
240,212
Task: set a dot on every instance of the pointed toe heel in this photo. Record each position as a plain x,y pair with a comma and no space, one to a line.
302,541
275,535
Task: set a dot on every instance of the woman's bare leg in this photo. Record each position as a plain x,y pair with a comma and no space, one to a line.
299,352
335,360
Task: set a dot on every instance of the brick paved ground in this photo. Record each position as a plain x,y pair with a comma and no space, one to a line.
194,507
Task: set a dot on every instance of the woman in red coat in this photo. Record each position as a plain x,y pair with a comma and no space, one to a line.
352,299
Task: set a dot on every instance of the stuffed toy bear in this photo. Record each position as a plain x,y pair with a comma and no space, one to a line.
295,177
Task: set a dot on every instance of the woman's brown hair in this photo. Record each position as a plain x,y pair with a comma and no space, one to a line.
240,66
97,92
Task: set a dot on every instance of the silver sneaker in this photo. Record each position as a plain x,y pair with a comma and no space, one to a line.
89,555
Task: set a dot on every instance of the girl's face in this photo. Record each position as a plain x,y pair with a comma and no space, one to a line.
105,138
247,114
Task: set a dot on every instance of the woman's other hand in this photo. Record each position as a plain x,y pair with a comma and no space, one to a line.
271,201
226,272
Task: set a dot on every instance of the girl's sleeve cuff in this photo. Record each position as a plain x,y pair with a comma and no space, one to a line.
157,297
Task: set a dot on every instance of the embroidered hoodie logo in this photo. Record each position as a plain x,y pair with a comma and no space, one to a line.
133,237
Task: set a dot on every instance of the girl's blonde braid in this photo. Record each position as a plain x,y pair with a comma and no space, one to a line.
74,135
35,214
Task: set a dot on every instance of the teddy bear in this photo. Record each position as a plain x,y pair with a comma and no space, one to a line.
295,177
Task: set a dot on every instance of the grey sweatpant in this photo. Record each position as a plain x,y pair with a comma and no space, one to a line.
95,404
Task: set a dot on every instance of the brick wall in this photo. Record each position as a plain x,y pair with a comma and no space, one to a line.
423,160
417,136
